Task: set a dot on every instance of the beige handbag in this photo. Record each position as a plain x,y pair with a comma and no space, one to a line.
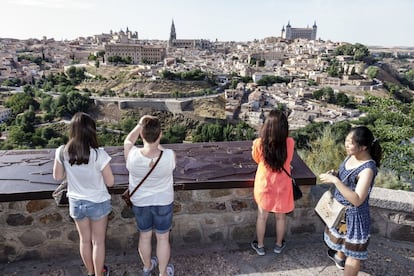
331,211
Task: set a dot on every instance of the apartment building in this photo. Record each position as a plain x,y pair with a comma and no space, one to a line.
137,52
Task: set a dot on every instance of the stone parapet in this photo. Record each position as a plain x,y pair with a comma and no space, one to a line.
34,229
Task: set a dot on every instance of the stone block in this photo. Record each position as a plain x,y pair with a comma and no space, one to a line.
243,232
36,205
216,236
303,228
127,212
192,236
403,233
54,218
19,220
32,238
53,234
177,207
185,196
219,193
239,205
244,192
73,236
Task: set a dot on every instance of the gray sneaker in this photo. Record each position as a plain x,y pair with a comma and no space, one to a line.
259,250
154,263
338,262
170,270
279,249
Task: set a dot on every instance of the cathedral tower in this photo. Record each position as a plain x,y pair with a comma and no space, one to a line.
173,35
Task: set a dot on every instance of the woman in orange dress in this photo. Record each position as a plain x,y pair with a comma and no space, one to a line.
272,186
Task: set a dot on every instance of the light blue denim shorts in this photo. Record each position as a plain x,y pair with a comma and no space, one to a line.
158,218
80,209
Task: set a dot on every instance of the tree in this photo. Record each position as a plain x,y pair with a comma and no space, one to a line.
175,134
342,99
392,123
77,102
325,153
410,75
128,124
46,103
19,102
372,72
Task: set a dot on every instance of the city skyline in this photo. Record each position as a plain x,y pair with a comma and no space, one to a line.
385,23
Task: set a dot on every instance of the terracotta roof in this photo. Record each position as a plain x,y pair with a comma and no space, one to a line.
27,174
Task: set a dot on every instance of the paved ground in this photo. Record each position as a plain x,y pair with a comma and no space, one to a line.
304,255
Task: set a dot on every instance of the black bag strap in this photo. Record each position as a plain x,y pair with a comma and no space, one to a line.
293,180
145,177
283,168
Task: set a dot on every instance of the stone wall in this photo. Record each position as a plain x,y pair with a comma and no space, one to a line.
171,105
38,229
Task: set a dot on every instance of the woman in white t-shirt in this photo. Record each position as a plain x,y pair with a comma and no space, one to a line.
153,201
88,173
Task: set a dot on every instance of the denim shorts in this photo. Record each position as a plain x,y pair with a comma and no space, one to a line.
80,209
158,218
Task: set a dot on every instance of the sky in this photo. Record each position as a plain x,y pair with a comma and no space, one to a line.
370,22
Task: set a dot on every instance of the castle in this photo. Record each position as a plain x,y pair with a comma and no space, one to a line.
292,33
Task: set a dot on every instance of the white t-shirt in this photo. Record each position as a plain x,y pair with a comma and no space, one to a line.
157,189
86,181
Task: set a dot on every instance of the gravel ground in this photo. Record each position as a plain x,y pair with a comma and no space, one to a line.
304,255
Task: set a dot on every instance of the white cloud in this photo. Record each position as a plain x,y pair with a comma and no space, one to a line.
56,4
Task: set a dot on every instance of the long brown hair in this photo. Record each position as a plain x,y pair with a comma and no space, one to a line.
274,133
82,137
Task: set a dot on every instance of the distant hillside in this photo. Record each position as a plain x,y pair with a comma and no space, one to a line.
130,80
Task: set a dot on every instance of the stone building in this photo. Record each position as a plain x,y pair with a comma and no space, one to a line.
137,52
173,42
293,33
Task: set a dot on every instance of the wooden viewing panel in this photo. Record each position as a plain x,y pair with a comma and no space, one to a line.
27,174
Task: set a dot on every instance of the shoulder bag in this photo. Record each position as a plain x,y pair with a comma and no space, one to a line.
330,210
297,193
126,196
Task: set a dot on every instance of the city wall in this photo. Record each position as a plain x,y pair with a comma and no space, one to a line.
34,229
171,105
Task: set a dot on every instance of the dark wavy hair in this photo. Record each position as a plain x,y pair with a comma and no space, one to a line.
273,135
362,136
82,137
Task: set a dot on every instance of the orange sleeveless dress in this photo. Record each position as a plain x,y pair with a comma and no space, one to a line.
273,190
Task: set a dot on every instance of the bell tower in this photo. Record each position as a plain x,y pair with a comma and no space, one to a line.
173,35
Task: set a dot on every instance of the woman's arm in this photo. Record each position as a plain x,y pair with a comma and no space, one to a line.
358,196
131,139
108,176
58,171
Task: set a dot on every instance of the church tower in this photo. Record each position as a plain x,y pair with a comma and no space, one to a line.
314,30
173,35
288,31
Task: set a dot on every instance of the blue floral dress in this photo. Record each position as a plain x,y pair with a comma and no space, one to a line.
353,240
